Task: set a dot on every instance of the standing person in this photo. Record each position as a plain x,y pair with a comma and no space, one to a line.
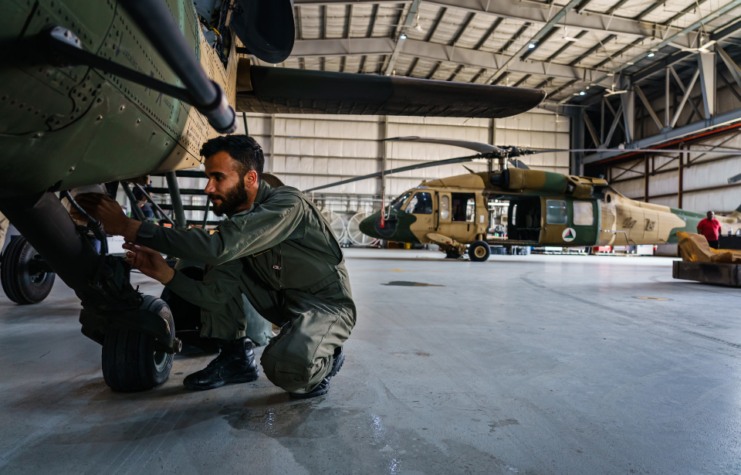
276,249
710,228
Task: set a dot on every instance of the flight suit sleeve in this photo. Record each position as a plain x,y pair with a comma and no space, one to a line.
218,287
264,226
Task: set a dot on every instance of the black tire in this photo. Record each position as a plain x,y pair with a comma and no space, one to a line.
452,254
131,361
479,251
21,283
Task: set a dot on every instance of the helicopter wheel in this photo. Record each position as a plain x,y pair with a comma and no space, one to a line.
23,278
131,361
479,251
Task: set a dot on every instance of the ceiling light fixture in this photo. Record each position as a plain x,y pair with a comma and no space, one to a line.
531,45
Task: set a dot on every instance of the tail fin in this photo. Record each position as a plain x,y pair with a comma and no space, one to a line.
737,213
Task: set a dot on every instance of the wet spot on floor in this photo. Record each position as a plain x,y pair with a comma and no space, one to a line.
403,283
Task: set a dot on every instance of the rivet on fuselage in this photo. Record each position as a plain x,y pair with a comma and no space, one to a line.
138,121
100,117
72,169
122,108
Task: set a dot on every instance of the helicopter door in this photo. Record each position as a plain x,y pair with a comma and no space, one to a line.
570,222
457,215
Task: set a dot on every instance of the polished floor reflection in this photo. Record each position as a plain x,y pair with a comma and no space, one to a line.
522,364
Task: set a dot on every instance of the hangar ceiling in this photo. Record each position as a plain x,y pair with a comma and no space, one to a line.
572,49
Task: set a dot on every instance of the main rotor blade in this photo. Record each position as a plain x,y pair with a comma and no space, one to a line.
475,146
283,90
629,150
436,163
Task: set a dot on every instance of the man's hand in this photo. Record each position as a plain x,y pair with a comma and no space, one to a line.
109,212
149,262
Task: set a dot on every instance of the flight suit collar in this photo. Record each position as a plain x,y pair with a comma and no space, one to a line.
263,192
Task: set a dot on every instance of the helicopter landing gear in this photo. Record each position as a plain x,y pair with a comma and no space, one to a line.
479,251
25,276
136,331
452,254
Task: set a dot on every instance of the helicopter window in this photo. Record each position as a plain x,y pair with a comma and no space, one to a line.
444,207
556,212
420,204
583,213
464,207
399,202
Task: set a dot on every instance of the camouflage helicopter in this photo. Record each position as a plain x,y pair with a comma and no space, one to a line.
543,208
105,92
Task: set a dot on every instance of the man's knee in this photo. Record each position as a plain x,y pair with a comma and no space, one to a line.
293,376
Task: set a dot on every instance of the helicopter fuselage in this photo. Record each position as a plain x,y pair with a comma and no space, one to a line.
542,209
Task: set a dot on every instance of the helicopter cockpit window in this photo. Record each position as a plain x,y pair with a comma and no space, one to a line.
420,204
556,212
583,213
399,202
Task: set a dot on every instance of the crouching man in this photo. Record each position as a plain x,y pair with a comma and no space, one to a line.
276,249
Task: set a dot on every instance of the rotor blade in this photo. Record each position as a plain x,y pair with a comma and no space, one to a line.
436,163
475,146
283,90
630,150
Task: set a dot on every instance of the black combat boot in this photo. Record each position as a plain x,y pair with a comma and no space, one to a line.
235,364
323,387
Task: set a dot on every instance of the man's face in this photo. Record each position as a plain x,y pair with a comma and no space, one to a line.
225,188
711,215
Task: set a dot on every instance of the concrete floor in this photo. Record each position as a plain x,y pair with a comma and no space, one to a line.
523,364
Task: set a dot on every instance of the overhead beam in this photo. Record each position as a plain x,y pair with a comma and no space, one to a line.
680,37
538,15
439,52
562,13
673,134
687,93
401,37
648,107
706,65
730,64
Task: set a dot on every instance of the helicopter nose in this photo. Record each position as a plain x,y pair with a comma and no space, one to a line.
367,226
371,226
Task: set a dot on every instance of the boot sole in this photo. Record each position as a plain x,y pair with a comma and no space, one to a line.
311,394
338,365
244,378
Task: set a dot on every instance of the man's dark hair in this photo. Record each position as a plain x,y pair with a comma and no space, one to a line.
242,148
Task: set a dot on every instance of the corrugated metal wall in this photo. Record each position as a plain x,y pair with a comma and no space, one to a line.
305,151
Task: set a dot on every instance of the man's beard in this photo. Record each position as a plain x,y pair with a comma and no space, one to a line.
230,201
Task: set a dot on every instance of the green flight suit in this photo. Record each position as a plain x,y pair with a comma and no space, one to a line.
282,255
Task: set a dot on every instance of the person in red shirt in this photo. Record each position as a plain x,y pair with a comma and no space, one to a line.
710,228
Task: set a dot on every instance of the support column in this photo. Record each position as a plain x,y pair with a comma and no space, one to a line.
628,102
680,178
645,186
667,99
384,153
269,168
577,142
492,140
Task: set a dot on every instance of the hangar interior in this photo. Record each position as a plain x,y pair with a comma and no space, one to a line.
579,341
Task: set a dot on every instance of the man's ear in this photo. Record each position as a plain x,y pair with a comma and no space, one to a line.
250,179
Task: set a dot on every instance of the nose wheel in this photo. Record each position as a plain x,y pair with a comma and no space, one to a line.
25,276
